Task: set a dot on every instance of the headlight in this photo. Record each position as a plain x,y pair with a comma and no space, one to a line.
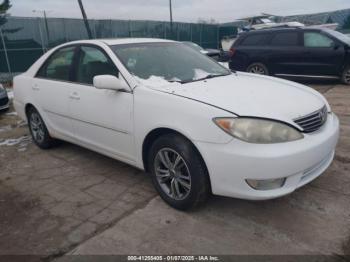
258,131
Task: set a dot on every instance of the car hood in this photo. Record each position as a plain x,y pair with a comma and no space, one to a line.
252,95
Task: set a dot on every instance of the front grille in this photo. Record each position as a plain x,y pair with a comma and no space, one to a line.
313,121
4,101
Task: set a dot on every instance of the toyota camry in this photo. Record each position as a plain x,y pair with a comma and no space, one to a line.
196,127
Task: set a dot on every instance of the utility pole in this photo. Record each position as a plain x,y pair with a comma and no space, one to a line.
87,26
171,19
46,23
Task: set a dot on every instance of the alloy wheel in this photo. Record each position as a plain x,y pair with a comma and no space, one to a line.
256,69
172,173
37,127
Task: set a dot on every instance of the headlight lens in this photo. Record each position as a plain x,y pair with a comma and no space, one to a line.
258,131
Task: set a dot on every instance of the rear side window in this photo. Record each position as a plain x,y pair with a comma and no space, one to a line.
93,62
314,39
254,40
58,65
285,39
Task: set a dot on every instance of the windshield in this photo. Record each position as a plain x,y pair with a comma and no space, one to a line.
340,36
174,62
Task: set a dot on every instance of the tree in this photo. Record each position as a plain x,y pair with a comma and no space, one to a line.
210,21
4,7
347,23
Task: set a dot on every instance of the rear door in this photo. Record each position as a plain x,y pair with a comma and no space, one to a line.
286,52
250,49
51,88
323,54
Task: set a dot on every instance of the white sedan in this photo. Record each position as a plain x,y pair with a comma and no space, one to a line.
195,126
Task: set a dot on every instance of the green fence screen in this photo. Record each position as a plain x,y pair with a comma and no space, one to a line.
23,40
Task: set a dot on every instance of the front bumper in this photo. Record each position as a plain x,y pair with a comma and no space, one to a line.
299,162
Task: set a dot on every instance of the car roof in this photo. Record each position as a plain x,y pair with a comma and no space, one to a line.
121,41
281,29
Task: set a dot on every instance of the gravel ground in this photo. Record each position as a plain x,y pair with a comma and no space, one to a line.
70,200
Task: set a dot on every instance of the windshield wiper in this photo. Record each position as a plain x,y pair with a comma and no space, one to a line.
203,78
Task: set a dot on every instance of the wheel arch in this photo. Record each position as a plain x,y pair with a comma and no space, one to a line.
257,57
152,136
27,107
259,61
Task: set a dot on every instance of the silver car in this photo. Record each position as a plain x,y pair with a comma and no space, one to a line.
4,100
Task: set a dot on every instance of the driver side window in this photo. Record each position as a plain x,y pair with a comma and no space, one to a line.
93,62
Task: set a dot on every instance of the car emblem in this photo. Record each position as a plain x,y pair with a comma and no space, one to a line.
322,116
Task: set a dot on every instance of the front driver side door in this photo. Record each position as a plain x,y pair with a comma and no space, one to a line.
324,56
102,119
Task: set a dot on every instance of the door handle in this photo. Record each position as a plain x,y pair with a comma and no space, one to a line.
35,87
74,96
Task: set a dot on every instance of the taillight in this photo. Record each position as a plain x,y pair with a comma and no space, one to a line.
232,52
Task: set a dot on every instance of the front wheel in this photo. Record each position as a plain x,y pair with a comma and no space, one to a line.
258,68
178,172
346,76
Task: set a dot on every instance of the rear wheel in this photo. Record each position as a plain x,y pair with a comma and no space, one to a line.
346,76
38,130
178,172
258,68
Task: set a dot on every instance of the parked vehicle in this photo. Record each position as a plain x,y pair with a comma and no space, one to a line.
293,52
213,53
264,21
194,125
4,100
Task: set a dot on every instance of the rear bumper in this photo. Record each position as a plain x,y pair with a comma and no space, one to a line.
299,162
20,109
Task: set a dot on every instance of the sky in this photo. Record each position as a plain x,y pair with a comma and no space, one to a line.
183,10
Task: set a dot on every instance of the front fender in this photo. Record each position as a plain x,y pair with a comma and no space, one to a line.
193,119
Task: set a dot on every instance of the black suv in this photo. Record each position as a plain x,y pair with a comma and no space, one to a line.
293,52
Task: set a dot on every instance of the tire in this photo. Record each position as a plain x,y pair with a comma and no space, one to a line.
258,68
346,76
189,179
38,130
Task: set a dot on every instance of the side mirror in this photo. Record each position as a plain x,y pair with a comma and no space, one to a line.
336,46
110,82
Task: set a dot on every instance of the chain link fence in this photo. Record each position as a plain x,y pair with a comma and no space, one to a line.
24,40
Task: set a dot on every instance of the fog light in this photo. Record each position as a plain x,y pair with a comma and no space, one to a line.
266,184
